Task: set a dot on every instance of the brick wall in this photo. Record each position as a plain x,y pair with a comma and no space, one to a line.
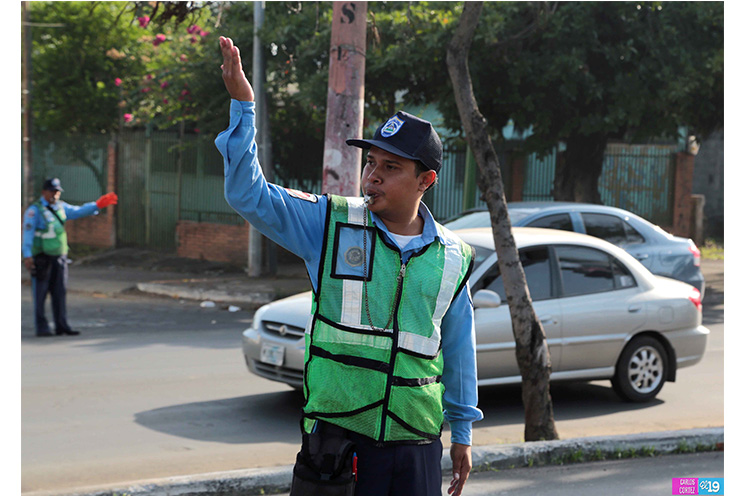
97,230
217,242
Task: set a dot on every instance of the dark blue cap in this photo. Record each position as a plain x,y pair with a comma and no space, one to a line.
409,137
52,184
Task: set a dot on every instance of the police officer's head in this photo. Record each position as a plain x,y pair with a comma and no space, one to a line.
52,189
406,141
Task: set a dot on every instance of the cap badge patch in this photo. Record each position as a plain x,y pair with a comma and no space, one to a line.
392,126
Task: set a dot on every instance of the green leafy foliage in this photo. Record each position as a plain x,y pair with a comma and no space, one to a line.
576,72
622,69
77,48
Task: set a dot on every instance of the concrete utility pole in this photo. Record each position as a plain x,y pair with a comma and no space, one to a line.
254,237
342,163
28,180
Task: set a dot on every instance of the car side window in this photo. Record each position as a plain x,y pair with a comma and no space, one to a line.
607,227
557,221
621,274
536,264
611,228
633,236
584,270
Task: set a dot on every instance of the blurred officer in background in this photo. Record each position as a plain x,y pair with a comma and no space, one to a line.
45,249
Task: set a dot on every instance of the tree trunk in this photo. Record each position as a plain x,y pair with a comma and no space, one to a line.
532,352
578,169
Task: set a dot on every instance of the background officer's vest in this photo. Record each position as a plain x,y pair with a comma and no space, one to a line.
382,383
53,240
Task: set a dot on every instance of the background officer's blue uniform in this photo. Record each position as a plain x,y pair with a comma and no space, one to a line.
50,274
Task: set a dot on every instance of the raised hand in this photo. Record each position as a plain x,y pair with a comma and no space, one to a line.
232,72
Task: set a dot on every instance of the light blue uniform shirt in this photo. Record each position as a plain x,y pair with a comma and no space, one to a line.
34,220
298,224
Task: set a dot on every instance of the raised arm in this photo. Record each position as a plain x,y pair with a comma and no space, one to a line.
294,220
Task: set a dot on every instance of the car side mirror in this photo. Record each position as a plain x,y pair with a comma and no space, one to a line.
485,298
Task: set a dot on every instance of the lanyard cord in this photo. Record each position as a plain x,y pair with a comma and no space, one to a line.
364,281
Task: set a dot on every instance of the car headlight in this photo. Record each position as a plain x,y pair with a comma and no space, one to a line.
258,317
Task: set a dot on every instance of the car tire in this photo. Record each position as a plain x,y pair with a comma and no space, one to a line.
641,370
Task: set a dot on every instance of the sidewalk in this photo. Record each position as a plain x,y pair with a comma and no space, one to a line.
126,270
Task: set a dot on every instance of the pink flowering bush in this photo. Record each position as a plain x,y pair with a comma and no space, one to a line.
158,40
161,93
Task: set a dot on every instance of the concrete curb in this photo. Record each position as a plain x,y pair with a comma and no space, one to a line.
496,457
251,299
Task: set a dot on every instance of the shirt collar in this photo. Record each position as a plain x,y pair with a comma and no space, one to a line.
428,235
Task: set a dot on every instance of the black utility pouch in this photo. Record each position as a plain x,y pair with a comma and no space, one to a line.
42,267
325,465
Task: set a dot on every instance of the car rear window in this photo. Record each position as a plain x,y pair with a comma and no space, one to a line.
587,270
611,228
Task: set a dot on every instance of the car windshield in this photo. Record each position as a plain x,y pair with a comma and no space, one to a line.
481,253
469,220
482,218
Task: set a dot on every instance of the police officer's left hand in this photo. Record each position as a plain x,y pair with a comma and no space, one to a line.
29,263
462,462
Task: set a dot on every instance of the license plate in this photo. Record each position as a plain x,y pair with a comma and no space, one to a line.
272,354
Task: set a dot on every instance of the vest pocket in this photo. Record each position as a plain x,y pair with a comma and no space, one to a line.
417,410
341,389
348,340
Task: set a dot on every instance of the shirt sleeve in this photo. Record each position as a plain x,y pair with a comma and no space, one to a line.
293,220
460,372
76,212
29,230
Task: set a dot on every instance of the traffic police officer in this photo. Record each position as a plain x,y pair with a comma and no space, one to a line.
390,349
45,249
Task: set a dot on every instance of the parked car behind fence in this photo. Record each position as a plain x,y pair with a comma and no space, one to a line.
660,252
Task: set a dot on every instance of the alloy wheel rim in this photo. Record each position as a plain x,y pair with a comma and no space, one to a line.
645,370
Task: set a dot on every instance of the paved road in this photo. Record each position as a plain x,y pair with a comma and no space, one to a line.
155,387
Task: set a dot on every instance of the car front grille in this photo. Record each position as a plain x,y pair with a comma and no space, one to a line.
276,373
283,330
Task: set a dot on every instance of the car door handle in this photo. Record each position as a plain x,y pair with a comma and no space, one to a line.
641,256
634,308
547,319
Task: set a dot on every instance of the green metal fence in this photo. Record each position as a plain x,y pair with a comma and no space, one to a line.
163,178
79,163
640,179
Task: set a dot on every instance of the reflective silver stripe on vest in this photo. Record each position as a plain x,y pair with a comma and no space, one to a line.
451,271
351,306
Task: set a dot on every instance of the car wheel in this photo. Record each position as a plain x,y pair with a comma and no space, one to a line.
641,370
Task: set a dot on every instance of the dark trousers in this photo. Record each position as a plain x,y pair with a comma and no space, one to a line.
402,470
50,277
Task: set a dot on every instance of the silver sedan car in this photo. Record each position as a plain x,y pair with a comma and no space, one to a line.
604,314
660,252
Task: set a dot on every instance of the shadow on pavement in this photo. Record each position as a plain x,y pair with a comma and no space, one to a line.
274,417
261,418
502,405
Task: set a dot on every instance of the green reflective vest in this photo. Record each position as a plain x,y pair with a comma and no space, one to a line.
382,381
52,241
